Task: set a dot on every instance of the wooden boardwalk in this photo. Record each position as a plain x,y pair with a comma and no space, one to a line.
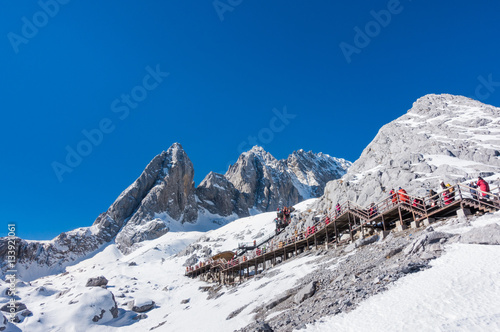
396,211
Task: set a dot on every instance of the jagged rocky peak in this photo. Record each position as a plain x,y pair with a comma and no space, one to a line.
268,183
172,197
447,137
314,170
165,195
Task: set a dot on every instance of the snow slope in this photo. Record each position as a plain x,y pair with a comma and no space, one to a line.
460,292
63,303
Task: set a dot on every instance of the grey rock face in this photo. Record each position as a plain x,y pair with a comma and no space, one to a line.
446,137
489,234
97,282
219,196
18,305
264,180
172,193
305,292
268,183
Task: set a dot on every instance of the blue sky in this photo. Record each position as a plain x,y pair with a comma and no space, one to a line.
69,69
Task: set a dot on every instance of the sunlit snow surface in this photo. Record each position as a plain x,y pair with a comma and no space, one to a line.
459,293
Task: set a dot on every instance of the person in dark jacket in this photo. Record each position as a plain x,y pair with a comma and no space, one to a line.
433,198
473,191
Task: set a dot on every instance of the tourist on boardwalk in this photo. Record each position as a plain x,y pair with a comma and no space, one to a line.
373,210
394,196
338,209
473,191
483,186
403,195
433,198
446,193
417,203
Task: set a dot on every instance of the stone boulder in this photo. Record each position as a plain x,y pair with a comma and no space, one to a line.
96,282
18,305
141,305
305,293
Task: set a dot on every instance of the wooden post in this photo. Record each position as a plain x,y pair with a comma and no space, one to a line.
335,229
326,238
383,221
350,227
400,216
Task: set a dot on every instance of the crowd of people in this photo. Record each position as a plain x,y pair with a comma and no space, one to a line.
283,218
445,197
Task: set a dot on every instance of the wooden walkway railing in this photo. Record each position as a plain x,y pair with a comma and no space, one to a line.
350,218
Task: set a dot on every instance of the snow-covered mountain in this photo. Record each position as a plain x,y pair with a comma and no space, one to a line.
405,275
442,137
268,183
362,286
165,198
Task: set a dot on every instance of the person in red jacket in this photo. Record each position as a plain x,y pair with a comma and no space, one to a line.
403,196
483,186
394,196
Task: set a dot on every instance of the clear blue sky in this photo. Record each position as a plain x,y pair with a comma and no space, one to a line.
70,71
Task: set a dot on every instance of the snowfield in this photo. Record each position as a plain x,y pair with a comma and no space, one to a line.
459,293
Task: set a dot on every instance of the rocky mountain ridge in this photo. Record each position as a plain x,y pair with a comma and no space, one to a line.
442,137
165,196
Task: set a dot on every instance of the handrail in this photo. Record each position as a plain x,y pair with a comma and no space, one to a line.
421,206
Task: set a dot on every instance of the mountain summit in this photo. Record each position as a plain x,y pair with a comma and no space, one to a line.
442,137
164,198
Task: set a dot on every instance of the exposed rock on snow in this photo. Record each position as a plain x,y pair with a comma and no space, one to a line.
97,282
18,305
3,322
141,305
425,241
489,234
305,292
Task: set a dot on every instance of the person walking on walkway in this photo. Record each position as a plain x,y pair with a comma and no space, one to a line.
433,198
394,196
403,195
473,191
446,193
484,187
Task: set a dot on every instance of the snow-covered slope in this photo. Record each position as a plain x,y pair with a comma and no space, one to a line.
154,272
452,138
459,293
447,296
